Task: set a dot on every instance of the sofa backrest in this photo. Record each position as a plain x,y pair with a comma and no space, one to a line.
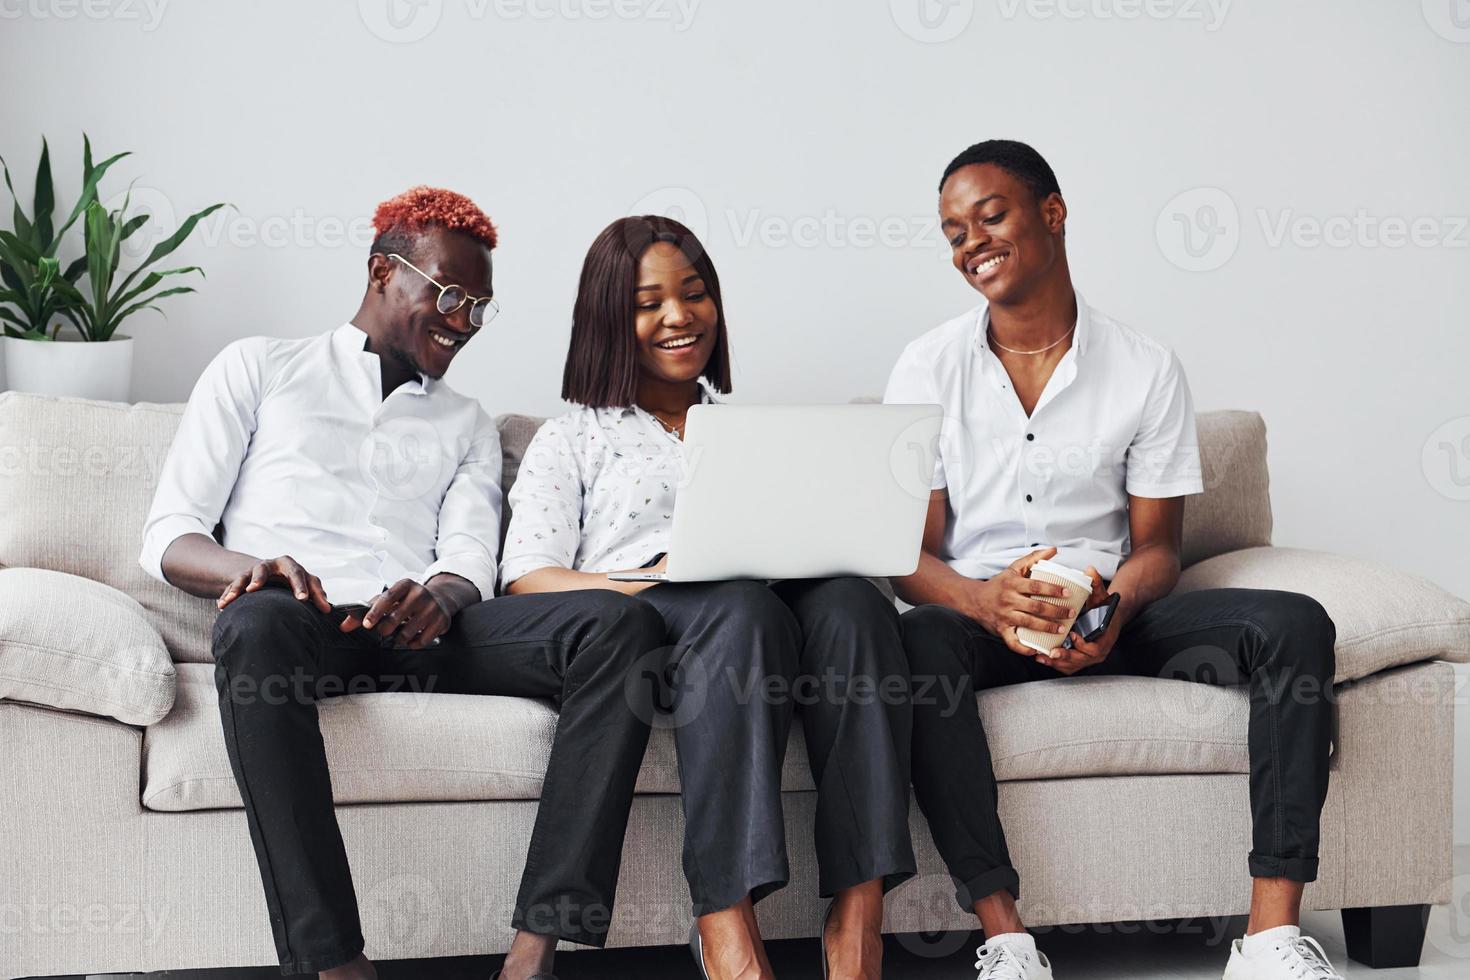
1234,512
77,478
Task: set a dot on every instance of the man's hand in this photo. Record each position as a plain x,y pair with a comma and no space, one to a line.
1085,654
282,571
1100,593
413,615
1011,599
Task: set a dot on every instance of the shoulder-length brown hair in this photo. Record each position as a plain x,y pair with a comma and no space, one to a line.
602,360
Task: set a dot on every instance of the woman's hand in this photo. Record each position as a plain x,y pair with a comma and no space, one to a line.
633,588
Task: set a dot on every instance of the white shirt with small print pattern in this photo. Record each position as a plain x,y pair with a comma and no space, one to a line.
595,493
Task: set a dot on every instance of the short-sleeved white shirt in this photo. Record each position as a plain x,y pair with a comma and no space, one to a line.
1115,419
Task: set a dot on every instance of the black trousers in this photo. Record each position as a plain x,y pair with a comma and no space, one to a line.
1277,644
276,657
745,657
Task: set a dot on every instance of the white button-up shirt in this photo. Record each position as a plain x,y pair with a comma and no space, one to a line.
290,445
595,493
1115,419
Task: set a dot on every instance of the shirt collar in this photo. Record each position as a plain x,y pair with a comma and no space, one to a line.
1084,325
350,341
706,397
1079,339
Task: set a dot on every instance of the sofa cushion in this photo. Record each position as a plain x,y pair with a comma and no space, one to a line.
1114,726
70,643
412,747
77,477
1384,617
1235,509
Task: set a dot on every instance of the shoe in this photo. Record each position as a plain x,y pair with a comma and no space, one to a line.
696,947
1003,961
1293,958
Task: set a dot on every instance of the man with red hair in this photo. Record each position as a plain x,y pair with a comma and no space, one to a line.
357,500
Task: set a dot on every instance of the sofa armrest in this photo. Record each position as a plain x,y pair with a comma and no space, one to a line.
70,643
1385,618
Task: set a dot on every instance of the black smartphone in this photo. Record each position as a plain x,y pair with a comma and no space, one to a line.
1094,622
358,609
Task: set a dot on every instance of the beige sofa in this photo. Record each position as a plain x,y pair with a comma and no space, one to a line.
123,846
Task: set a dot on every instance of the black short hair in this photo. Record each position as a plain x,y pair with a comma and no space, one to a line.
400,240
1015,158
602,359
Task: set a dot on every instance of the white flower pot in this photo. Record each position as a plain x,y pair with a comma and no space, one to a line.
69,366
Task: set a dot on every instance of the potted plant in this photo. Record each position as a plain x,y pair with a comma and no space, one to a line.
92,360
29,266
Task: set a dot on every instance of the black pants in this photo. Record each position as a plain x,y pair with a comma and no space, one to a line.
276,657
745,656
1278,644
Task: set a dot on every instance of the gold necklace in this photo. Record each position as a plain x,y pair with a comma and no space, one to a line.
1040,350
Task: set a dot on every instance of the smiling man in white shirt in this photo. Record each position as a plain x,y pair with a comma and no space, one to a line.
1071,437
356,498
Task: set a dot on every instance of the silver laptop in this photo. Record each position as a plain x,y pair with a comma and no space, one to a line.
774,492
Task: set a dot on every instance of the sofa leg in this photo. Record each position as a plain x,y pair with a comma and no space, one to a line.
1385,936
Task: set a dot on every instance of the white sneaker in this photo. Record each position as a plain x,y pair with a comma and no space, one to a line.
1289,958
1011,961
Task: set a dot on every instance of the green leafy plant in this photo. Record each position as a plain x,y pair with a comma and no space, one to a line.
99,310
31,275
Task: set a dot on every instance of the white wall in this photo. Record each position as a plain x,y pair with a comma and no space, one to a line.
791,131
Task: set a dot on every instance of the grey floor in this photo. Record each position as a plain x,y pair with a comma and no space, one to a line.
1189,950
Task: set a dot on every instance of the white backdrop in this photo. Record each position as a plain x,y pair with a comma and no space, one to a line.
1276,190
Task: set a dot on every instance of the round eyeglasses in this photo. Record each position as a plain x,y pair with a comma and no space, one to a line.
482,308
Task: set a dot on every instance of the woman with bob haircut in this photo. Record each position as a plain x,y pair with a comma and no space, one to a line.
595,495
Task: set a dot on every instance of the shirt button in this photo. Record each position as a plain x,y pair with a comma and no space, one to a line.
1028,498
1030,437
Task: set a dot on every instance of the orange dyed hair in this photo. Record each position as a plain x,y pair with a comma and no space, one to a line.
420,207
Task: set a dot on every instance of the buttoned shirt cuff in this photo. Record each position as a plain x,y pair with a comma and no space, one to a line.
164,533
477,570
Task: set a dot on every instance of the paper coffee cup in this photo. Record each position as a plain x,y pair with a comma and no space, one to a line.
1078,586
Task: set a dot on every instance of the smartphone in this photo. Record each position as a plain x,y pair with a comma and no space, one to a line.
1094,622
358,609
